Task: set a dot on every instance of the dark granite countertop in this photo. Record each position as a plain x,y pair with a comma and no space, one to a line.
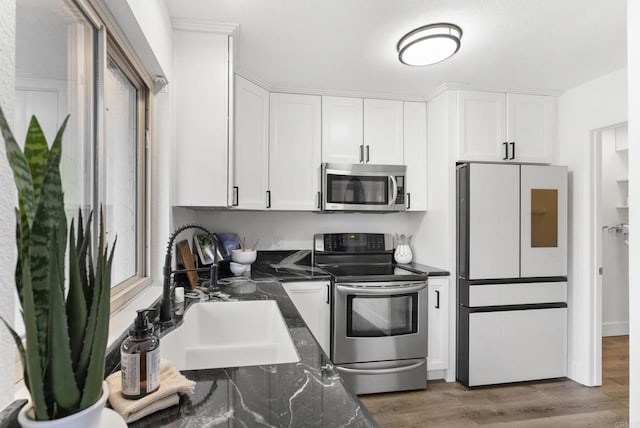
429,270
307,393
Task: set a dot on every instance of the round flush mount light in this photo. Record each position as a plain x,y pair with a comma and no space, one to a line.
430,44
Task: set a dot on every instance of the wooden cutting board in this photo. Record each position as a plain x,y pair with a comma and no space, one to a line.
187,258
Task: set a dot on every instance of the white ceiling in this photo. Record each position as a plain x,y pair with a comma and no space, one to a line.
348,46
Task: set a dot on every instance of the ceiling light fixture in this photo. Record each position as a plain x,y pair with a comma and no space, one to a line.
430,44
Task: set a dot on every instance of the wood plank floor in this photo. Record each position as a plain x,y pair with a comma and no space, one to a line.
555,403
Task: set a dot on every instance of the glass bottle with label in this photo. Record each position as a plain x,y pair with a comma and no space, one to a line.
140,358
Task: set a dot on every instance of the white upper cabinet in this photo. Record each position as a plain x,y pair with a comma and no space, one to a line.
494,126
251,172
481,125
383,132
294,152
342,132
415,155
200,85
530,127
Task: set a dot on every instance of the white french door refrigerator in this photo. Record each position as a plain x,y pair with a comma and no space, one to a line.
512,268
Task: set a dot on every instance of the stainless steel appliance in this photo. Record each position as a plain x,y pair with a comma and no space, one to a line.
512,273
378,313
363,187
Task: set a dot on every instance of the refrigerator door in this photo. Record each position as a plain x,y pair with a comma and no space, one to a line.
543,241
515,346
494,221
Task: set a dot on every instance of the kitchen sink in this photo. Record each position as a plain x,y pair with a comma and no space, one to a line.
230,334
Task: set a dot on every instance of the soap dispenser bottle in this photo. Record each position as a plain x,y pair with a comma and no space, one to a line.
140,358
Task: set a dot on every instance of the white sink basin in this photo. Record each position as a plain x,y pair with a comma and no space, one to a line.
230,334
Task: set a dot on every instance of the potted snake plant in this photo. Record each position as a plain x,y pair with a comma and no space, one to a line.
63,357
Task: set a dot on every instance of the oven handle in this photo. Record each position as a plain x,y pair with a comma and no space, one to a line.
394,190
381,371
368,291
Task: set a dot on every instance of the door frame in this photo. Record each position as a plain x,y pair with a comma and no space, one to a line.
596,252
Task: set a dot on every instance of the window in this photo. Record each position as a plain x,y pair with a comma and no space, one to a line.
67,63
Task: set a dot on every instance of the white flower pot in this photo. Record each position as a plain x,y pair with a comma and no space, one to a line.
89,417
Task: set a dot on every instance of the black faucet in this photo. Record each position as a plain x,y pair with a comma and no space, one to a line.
165,308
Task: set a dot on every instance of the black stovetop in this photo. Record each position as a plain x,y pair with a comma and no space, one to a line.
372,272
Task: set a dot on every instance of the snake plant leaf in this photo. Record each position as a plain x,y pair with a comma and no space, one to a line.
34,365
45,222
76,305
63,384
20,168
36,151
18,341
95,370
93,300
84,244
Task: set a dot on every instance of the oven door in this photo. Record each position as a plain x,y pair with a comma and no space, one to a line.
363,187
379,321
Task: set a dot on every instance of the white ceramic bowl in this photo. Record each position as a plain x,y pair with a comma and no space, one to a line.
237,268
245,257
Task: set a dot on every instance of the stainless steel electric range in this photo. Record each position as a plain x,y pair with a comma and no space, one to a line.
378,313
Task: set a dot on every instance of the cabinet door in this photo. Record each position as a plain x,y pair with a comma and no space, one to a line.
415,155
342,133
251,172
494,221
383,132
438,350
294,151
530,127
311,299
543,249
201,92
481,126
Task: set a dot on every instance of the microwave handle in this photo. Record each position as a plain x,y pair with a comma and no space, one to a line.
394,190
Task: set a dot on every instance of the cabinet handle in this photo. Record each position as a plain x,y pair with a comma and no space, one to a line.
437,299
506,151
361,153
513,150
319,200
328,291
268,198
367,153
408,200
236,190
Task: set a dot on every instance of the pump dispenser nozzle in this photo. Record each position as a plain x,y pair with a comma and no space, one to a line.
142,327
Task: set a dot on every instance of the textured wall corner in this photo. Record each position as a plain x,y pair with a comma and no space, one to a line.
7,200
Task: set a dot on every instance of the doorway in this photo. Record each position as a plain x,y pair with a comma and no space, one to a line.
611,235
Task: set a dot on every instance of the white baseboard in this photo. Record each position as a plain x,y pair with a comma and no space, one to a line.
620,328
436,374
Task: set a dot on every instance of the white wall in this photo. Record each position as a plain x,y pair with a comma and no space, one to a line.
295,230
596,104
633,63
147,25
7,201
615,253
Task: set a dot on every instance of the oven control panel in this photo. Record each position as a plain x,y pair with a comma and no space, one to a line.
353,243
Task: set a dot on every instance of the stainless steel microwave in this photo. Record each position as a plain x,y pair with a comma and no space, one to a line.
363,187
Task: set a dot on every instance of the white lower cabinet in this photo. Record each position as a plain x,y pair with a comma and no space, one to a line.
311,299
515,346
438,313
